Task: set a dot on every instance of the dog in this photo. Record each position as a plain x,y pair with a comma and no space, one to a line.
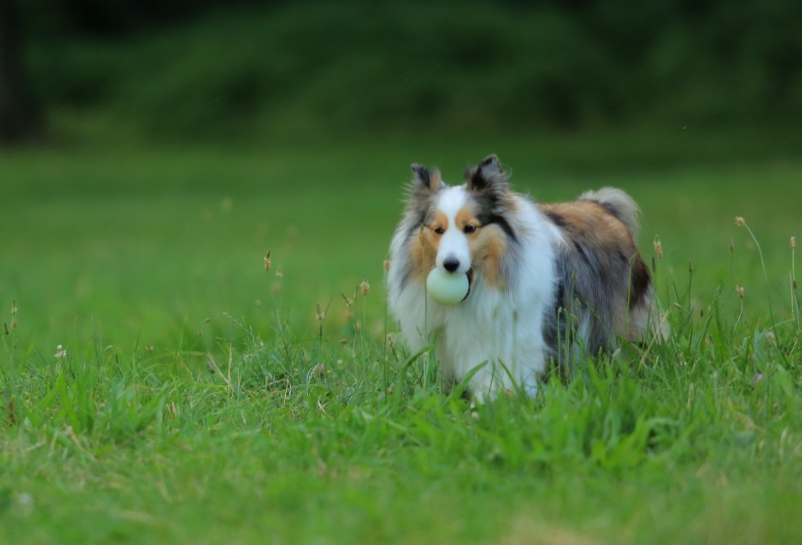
549,284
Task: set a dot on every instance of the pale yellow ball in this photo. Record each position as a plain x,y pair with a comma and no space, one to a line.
447,288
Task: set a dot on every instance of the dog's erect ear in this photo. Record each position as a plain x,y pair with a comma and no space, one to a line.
487,175
425,178
421,191
425,182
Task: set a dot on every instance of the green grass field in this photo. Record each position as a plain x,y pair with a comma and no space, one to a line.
203,399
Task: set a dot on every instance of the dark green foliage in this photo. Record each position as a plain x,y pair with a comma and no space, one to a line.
319,67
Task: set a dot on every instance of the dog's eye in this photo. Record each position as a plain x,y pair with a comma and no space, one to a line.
468,229
439,230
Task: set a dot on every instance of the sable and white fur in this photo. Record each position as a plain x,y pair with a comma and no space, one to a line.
549,282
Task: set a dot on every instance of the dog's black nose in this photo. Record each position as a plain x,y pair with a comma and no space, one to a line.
451,264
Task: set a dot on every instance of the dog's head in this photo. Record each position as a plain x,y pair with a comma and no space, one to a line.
463,229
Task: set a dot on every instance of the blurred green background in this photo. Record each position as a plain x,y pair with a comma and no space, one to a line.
153,152
255,72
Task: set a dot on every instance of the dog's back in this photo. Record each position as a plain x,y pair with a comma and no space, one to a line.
605,288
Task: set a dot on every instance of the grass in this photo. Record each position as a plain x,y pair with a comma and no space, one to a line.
202,398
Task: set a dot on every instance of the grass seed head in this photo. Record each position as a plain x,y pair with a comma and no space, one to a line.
740,221
13,308
658,247
739,289
386,265
12,412
61,352
364,287
268,263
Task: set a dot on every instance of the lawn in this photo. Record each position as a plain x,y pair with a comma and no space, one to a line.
202,398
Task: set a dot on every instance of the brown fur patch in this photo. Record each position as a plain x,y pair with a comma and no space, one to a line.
590,220
423,249
487,243
440,222
640,281
487,252
467,217
602,267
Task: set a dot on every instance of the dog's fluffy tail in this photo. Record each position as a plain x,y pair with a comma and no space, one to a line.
619,204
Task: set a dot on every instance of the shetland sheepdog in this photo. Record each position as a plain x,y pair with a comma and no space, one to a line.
549,284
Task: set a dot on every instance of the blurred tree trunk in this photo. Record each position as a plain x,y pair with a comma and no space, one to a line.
18,120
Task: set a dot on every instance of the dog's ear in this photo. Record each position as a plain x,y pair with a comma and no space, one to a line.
488,175
425,182
429,179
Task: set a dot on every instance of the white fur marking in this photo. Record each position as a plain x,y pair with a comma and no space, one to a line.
453,243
